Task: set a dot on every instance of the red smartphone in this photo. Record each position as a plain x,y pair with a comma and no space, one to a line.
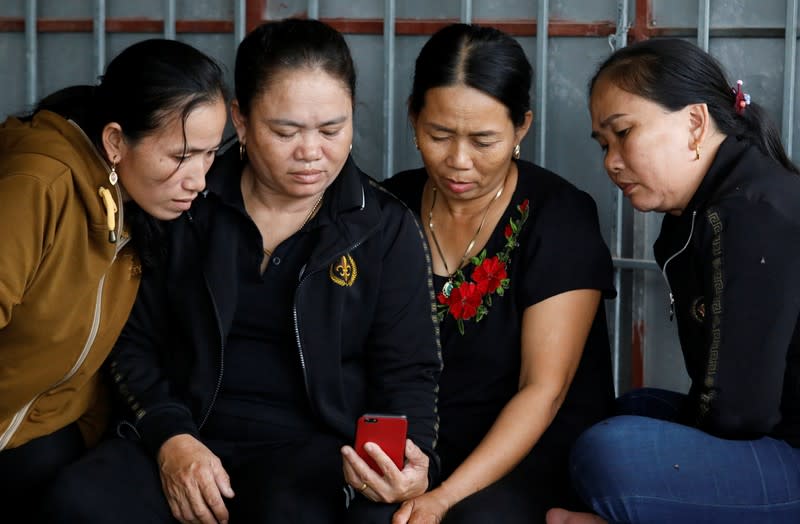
387,431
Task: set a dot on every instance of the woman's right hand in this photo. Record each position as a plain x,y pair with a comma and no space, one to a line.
193,481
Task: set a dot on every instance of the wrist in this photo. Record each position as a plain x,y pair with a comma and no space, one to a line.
445,494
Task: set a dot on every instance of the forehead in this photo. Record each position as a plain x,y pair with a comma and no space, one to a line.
465,104
299,83
607,99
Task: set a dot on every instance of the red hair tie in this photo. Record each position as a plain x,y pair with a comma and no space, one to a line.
742,98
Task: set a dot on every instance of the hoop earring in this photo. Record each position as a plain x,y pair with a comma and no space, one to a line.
697,151
242,150
516,152
414,137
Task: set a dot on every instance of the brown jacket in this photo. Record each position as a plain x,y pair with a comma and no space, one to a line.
65,290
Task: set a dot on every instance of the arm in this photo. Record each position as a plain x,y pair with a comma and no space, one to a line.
192,477
554,332
752,304
29,210
403,364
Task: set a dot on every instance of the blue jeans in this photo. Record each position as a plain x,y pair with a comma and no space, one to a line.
641,467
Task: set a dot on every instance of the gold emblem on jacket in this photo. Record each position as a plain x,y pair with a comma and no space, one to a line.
344,271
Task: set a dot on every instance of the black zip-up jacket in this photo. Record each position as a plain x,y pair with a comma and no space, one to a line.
732,262
363,317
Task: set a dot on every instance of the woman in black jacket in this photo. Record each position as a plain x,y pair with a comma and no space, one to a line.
292,300
679,139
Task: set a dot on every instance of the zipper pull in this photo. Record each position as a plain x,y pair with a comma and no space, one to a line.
111,209
671,307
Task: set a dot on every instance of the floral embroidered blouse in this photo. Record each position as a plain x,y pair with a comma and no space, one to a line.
557,248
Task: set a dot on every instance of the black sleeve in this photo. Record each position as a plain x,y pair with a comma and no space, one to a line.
404,356
563,249
137,368
751,280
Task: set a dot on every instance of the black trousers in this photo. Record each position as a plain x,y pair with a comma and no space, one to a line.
27,471
118,482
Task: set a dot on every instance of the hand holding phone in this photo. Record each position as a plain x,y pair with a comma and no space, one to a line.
387,431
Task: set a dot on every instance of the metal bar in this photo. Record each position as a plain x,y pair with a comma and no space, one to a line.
635,263
541,81
789,68
466,11
239,22
99,31
31,52
620,39
388,87
313,9
169,19
703,23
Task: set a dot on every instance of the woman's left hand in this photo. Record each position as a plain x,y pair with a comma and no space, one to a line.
391,484
428,508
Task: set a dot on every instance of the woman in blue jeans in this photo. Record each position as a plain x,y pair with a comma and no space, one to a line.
681,139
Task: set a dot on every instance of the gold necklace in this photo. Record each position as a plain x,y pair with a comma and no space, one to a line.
448,286
308,217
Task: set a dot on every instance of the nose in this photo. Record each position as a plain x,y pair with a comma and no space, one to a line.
195,180
458,155
613,161
310,148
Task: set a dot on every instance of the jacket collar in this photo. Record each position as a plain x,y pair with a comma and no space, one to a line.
722,169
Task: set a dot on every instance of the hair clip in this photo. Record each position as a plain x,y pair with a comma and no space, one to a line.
742,99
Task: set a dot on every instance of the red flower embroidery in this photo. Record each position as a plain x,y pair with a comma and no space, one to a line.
489,275
464,301
472,298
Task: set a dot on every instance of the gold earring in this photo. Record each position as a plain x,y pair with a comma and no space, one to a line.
242,150
697,151
351,148
516,152
112,175
414,137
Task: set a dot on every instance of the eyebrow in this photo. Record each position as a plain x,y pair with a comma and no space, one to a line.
192,150
291,123
605,123
485,133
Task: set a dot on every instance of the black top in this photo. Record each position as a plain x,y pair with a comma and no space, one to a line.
262,388
363,331
560,249
732,260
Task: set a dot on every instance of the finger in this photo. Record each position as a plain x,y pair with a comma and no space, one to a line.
212,508
359,471
384,462
223,482
402,515
414,453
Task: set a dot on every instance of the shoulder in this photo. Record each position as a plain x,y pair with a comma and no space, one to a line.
408,186
551,195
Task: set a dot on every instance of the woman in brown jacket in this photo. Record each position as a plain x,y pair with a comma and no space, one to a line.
83,183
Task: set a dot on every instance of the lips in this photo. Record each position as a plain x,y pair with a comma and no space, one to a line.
458,187
183,204
627,188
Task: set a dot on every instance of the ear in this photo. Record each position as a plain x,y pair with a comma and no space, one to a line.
239,120
699,124
522,130
113,142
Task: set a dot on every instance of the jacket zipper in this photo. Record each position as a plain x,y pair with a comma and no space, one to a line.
19,416
221,346
664,269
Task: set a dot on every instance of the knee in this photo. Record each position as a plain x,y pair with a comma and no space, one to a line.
66,500
606,454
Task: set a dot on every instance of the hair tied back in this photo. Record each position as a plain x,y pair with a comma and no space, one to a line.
742,99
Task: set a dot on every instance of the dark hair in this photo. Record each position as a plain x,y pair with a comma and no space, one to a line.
290,44
483,58
146,84
674,73
143,87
